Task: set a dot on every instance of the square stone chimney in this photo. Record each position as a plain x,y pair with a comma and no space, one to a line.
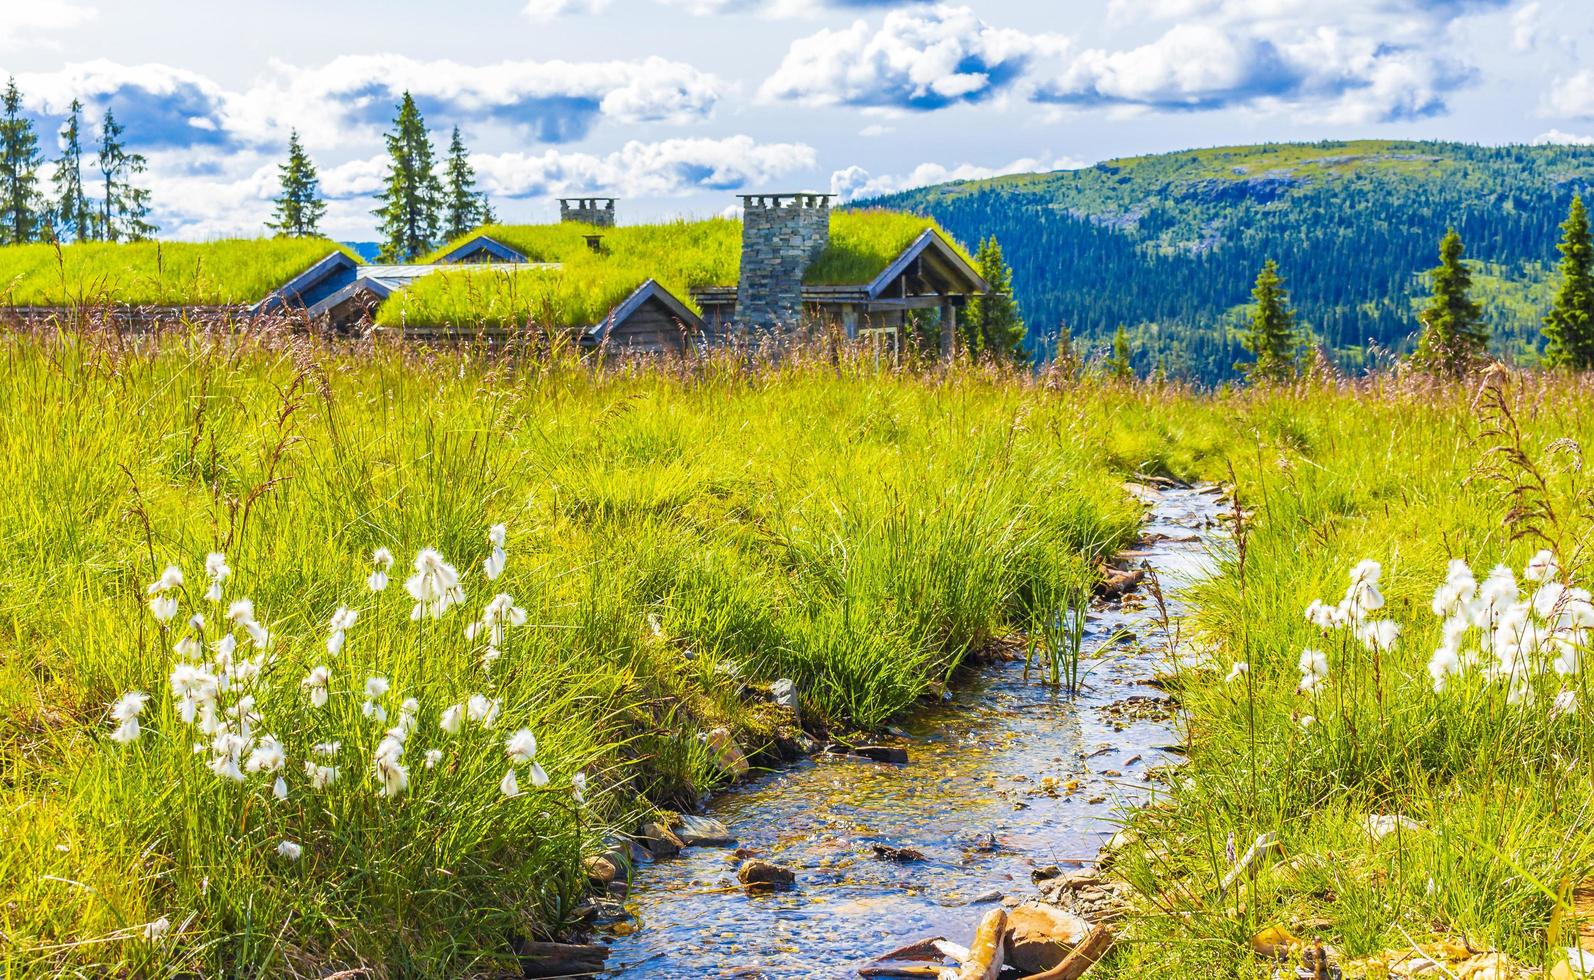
782,235
588,210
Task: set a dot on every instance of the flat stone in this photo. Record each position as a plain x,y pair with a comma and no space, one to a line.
986,897
693,831
601,870
1039,936
882,753
758,873
658,840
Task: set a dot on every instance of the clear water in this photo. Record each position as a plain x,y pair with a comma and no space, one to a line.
985,797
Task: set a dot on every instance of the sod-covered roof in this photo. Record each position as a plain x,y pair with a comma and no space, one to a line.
682,256
220,273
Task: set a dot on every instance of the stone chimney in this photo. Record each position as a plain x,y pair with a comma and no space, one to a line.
782,235
588,210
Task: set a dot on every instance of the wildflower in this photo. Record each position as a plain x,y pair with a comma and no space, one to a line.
509,785
268,756
320,776
1314,670
395,778
315,682
279,789
578,787
1458,589
383,559
218,572
521,747
326,748
1323,616
226,766
1239,670
493,566
241,611
1307,721
1379,634
433,757
375,688
1567,657
1541,567
342,621
289,850
125,712
1497,592
163,608
1444,663
453,715
482,710
1366,572
434,586
1565,703
171,578
157,930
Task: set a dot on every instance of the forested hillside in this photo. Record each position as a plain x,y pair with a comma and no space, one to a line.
1170,245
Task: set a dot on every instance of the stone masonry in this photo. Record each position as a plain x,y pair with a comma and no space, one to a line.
782,235
589,210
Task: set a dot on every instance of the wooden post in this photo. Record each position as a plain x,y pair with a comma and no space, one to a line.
949,329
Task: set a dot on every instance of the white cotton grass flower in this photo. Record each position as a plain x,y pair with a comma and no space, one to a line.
432,758
164,608
315,683
1542,567
125,713
1314,670
383,560
1565,703
1444,664
171,578
521,747
156,931
290,851
1324,616
509,785
482,710
390,769
452,719
279,789
217,571
434,586
320,776
1379,635
342,621
268,755
578,787
1239,670
493,565
375,689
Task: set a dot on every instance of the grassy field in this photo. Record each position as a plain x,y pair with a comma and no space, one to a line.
1426,775
232,271
669,536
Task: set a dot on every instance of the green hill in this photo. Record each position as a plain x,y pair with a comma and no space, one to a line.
1170,244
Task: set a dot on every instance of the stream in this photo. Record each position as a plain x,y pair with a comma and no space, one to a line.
1004,778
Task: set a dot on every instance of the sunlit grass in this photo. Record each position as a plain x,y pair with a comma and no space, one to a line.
226,272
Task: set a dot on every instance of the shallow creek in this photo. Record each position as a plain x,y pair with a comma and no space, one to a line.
986,797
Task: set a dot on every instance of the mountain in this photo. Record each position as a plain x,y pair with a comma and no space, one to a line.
1170,244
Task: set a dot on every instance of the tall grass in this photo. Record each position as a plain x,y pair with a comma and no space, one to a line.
857,531
219,273
1496,783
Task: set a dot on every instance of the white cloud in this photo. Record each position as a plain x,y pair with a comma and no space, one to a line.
1526,27
918,59
1352,61
23,21
855,182
1555,136
1572,97
545,10
666,168
779,8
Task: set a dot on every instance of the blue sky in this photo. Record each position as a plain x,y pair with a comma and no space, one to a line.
676,106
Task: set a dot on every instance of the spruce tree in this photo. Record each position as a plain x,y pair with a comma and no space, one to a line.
1271,335
992,321
299,208
409,201
124,212
1119,365
1570,326
1454,336
464,209
20,202
74,215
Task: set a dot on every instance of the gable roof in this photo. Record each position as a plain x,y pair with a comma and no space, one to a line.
650,290
481,243
932,248
309,286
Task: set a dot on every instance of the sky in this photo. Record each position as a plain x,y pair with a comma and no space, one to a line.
677,106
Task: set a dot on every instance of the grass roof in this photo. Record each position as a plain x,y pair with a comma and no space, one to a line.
219,273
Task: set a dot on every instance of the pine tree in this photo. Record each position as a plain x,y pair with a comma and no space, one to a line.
1119,366
1570,326
1454,336
124,212
464,209
20,202
299,208
74,215
1271,335
410,199
992,322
